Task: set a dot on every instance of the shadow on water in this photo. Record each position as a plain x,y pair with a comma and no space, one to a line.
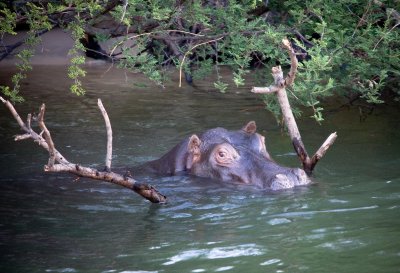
346,222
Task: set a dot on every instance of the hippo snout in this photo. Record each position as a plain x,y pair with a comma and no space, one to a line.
294,177
301,178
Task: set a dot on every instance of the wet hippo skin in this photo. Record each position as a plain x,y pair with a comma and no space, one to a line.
238,156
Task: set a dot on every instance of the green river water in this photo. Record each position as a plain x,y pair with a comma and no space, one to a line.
349,221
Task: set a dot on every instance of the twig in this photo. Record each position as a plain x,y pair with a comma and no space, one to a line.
47,135
265,90
109,135
124,10
384,35
294,63
151,33
28,121
301,37
187,52
324,147
22,137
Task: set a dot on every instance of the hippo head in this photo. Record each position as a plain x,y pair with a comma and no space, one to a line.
239,156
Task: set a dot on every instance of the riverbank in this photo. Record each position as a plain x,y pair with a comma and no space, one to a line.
53,49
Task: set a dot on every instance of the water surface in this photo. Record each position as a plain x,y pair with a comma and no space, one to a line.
347,222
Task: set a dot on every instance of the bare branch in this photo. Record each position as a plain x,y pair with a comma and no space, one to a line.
302,38
288,116
265,90
22,137
47,135
302,154
28,121
125,2
279,88
146,191
322,150
109,135
279,82
15,114
63,165
294,63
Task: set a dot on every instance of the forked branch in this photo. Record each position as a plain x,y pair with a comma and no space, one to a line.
58,163
279,87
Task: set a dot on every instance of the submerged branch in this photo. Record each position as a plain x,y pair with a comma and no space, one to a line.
58,163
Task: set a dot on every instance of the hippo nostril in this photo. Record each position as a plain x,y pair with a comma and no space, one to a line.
302,177
280,182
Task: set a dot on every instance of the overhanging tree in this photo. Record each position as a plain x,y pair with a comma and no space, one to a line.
345,47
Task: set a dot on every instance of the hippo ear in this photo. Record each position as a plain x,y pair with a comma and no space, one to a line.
193,150
250,127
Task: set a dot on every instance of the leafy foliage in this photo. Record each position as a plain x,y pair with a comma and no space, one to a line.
37,22
346,47
75,72
352,48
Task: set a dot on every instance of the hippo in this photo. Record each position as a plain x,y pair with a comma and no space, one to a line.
238,156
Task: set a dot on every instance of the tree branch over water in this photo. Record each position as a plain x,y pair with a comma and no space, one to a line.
58,163
279,87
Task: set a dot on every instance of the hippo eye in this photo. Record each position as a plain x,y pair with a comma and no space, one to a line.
225,154
221,154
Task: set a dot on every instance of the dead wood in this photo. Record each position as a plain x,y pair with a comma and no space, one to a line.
109,135
58,163
279,88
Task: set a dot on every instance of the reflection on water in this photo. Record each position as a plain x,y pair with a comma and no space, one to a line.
217,253
347,222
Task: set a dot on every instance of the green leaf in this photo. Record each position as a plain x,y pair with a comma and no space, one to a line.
221,86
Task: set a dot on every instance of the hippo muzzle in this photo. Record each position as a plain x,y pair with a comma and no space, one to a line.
240,164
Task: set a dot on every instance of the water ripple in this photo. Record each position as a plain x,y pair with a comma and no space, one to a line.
308,213
342,244
271,261
224,268
140,271
62,270
101,208
217,253
181,215
279,221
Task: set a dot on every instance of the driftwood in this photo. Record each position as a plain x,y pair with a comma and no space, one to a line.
58,163
279,88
